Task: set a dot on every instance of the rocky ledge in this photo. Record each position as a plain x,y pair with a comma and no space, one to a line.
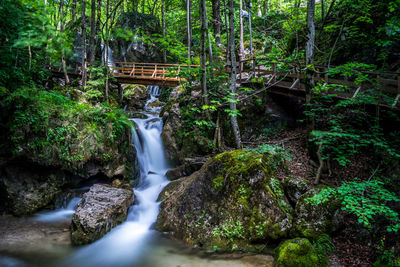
101,209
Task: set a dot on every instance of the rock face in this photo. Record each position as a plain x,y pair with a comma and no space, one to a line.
101,209
26,188
294,188
231,201
312,220
298,252
135,96
190,166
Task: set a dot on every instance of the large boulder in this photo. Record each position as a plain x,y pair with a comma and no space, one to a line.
294,188
26,188
299,252
232,201
135,96
312,220
101,209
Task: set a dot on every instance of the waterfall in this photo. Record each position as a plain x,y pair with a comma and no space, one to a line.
109,61
62,214
127,243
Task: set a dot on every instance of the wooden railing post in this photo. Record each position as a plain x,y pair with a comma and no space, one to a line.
274,70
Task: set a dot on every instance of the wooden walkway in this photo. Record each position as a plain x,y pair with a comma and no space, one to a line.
280,77
286,78
148,73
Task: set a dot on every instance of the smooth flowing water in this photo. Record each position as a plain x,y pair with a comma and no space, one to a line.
133,243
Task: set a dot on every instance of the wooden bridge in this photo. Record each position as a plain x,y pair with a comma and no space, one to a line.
278,77
148,73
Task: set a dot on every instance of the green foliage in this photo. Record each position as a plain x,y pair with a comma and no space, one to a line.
276,151
386,257
54,130
323,246
366,200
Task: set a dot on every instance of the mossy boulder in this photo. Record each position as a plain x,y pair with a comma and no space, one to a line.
300,253
313,220
234,200
135,96
294,188
25,188
51,130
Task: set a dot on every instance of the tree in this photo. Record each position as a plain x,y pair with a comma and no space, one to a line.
189,28
232,77
64,65
216,8
84,53
93,31
203,16
163,29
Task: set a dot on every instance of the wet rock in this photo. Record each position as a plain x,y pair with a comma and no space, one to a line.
101,209
26,188
191,165
135,96
298,252
232,201
172,126
294,188
312,220
155,104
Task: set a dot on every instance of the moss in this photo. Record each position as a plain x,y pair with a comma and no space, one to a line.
218,183
51,129
298,252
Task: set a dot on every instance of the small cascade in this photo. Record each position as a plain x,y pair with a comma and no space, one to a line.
62,214
154,90
127,244
107,59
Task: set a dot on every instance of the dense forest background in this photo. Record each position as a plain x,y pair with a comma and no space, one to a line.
352,144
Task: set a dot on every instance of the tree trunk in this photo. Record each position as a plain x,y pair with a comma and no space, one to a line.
74,11
322,9
232,85
84,56
216,8
163,29
227,32
106,48
259,12
93,31
64,65
241,42
203,51
189,28
309,81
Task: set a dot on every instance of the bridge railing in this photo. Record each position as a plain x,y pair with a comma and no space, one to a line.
149,70
290,75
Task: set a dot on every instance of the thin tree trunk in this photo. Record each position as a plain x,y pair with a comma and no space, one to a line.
84,56
259,12
203,51
216,8
74,11
189,29
93,31
227,32
322,9
64,65
309,85
232,85
163,29
241,42
106,48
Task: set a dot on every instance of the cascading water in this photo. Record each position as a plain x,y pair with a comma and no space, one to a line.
125,244
62,214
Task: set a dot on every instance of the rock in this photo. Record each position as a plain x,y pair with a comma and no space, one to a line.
117,183
232,201
191,165
294,188
101,209
312,220
298,252
172,126
26,188
155,104
135,96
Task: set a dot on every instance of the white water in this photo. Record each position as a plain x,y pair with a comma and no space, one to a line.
59,215
126,244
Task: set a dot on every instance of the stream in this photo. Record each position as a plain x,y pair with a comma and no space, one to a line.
43,240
